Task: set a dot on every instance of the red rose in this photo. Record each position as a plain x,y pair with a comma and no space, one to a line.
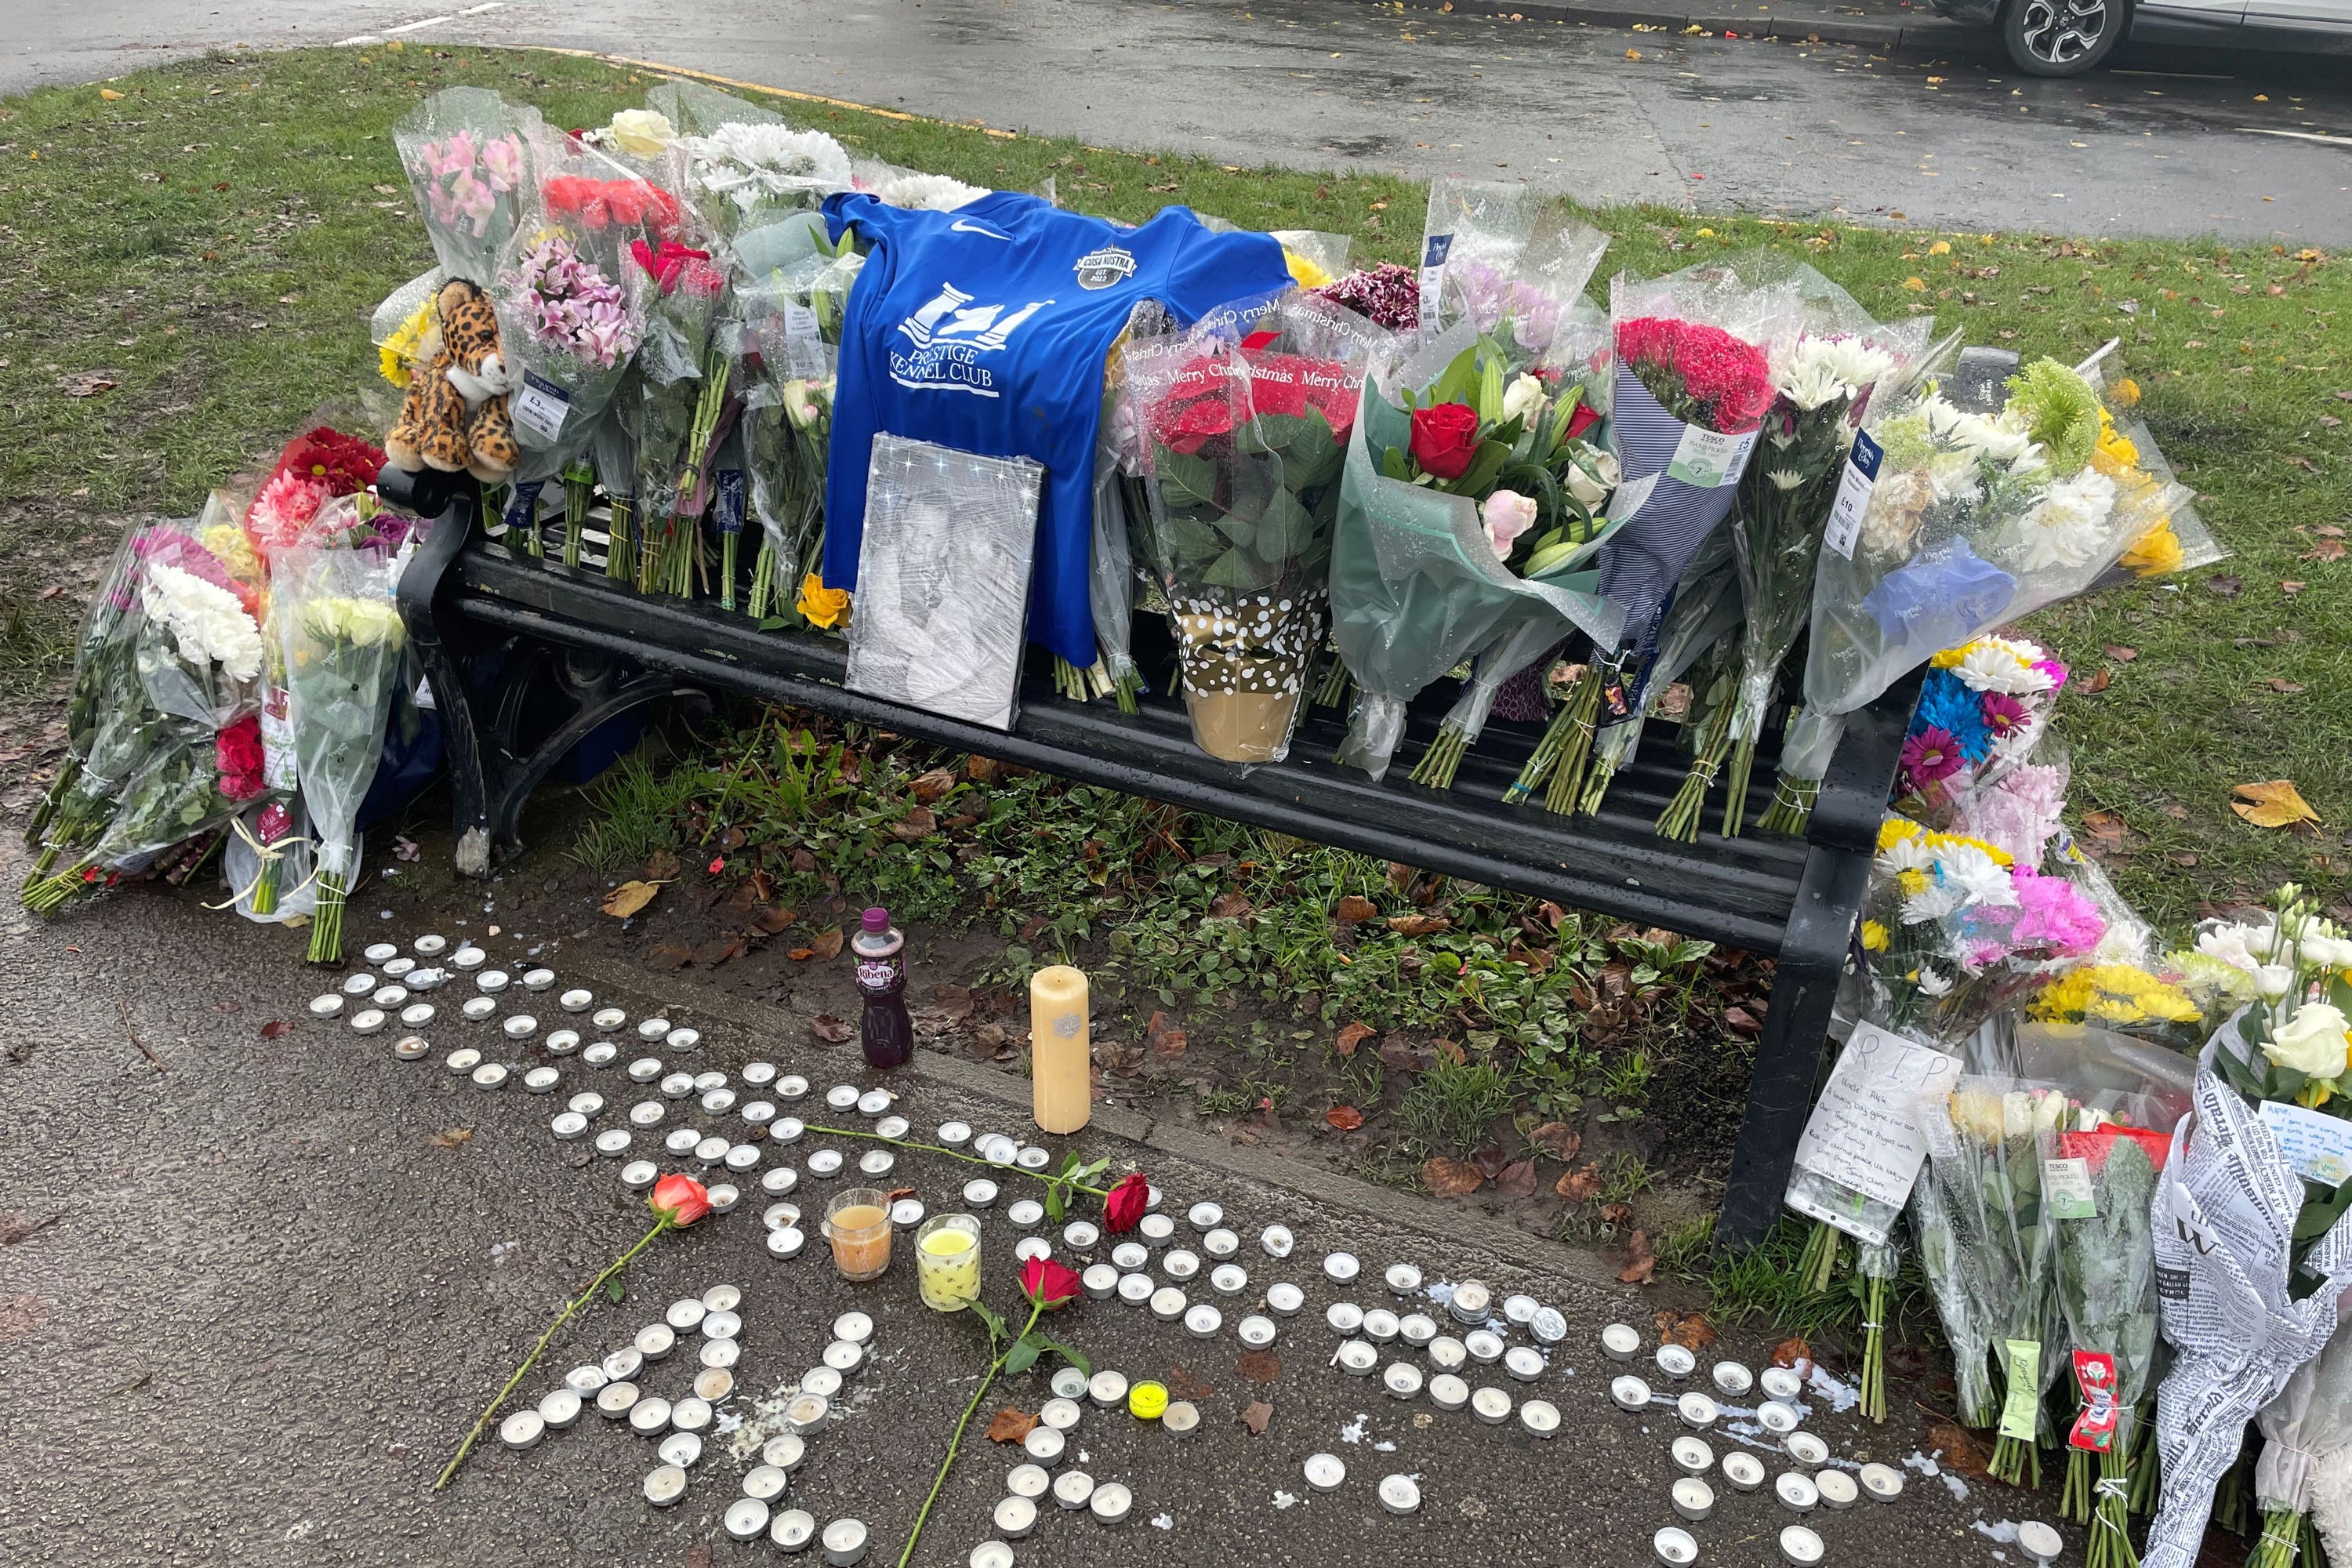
1444,439
1584,418
682,1200
1123,1206
1047,1282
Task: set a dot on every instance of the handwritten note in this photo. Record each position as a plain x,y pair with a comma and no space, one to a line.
1864,1133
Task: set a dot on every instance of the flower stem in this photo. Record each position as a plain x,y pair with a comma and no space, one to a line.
1050,1181
947,1464
539,1349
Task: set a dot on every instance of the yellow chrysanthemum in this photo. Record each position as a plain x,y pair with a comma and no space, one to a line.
397,359
2114,447
821,606
2154,552
2001,856
1950,658
1894,831
232,549
2125,391
1911,884
1303,272
2115,994
1874,936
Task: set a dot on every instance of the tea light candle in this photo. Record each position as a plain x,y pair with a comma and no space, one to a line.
585,1380
1180,1264
326,1005
1417,1329
390,996
576,1000
1806,1448
1693,1498
793,1529
468,956
1837,1488
462,1061
998,1150
844,1357
1168,1304
1342,1267
644,1069
617,1399
1111,1503
478,1009
1226,1279
1129,1255
686,1314
1073,1488
741,1158
844,1542
647,1113
712,1151
682,1141
411,1047
1732,1380
1357,1359
1344,1318
1080,1236
1060,1414
717,1101
1485,1346
825,1163
1799,1546
1100,1281
784,1453
2039,1541
609,1018
1781,1383
1283,1299
714,1384
1524,1363
1221,1243
1692,1456
1620,1342
1676,1362
1015,1517
378,952
1325,1472
1697,1410
1404,1279
369,1021
1400,1494
1379,1325
690,1414
1630,1392
1797,1492
1744,1471
1147,1401
1032,1247
1027,1213
876,1162
677,1085
539,979
746,1519
777,1216
649,1417
612,1142
1255,1331
666,1486
1673,1547
652,1028
1491,1406
358,984
1276,1241
489,981
1448,1392
1776,1417
786,1241
559,1407
1402,1379
1135,1289
624,1364
656,1340
1882,1482
785,1129
783,1178
842,1097
1447,1354
792,1086
1470,1302
1156,1229
952,1134
1548,1326
523,1429
1520,1311
806,1412
1203,1322
603,1054
562,1042
1044,1446
1031,1481
873,1102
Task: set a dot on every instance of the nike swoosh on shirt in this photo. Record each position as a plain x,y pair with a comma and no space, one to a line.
965,226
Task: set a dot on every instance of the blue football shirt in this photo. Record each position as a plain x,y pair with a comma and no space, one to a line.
984,329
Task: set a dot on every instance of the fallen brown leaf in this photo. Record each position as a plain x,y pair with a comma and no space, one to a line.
1447,1178
2122,655
18,1228
1557,1139
1795,1354
2325,550
1517,1180
1419,925
2290,587
275,1027
776,918
917,824
1011,1426
929,788
1229,906
2100,680
1578,1185
2277,804
661,865
829,1029
1961,1454
801,955
86,383
1356,910
1183,1384
1614,1214
1350,1037
1452,1051
698,1555
454,1138
2225,586
1689,1329
1255,1417
826,943
1640,1263
2105,829
2284,686
629,897
1345,1118
1259,1366
1162,1039
667,955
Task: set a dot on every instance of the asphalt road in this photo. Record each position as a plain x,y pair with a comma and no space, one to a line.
2248,147
272,1282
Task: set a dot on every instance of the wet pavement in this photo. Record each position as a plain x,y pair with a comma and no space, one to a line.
2244,146
277,1271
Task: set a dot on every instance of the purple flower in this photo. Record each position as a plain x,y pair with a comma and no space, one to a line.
1930,756
2004,715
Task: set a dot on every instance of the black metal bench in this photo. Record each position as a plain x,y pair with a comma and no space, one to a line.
598,649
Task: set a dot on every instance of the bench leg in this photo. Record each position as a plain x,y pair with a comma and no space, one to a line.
1788,1053
423,611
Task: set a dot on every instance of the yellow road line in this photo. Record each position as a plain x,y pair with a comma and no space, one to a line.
717,80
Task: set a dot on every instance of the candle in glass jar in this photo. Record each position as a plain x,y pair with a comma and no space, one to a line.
1061,1082
857,1223
946,1262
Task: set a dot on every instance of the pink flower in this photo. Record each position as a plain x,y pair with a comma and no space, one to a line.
2004,715
1702,374
1930,757
1507,514
502,163
2052,914
2054,670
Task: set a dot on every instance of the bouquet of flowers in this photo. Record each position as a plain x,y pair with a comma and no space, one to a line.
314,468
464,150
1705,607
2290,1042
1691,386
1972,520
1385,294
1983,710
1246,444
677,290
745,166
1823,379
2321,1447
2099,1188
613,455
342,638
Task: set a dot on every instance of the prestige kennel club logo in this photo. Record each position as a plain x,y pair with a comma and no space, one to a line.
953,338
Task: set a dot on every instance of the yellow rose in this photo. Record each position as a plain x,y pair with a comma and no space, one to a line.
821,606
1875,936
642,132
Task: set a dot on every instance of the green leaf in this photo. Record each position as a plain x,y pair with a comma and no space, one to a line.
1453,386
1232,570
1087,1175
1194,539
1314,454
1490,389
1184,477
1023,1354
1479,477
615,1288
1284,531
987,1314
1054,1200
1075,1358
1393,465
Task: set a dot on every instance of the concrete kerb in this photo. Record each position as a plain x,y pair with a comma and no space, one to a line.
1455,1225
1924,38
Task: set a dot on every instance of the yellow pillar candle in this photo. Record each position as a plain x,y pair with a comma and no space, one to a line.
1061,1082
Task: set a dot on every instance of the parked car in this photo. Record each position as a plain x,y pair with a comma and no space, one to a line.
2067,37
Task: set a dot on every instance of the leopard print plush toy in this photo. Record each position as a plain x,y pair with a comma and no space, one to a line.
456,414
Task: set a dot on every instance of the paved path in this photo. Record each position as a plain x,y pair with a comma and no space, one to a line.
1773,127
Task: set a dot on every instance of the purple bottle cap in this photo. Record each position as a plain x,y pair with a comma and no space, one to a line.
877,920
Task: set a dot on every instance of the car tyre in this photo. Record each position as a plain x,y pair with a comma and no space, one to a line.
2062,38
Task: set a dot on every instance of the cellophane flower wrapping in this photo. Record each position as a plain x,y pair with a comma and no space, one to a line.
790,292
1247,430
1983,712
1417,585
745,166
2173,538
1705,609
466,152
1974,520
2323,1447
680,290
566,315
343,638
1692,384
